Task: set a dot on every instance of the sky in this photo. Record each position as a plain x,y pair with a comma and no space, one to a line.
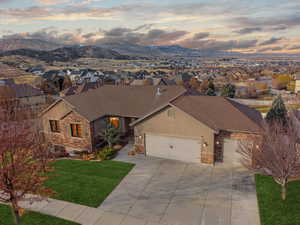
262,26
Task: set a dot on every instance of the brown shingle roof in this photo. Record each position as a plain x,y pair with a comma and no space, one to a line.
77,89
20,90
127,101
220,113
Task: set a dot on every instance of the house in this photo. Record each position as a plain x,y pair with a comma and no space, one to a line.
165,121
75,122
196,129
153,82
297,82
182,78
25,93
77,89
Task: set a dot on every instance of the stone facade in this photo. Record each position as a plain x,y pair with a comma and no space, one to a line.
63,114
219,142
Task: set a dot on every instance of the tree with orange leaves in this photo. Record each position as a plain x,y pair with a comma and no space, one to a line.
24,155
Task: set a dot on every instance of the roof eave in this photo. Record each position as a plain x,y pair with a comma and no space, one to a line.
156,110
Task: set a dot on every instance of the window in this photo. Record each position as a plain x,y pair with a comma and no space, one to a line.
115,121
76,130
54,126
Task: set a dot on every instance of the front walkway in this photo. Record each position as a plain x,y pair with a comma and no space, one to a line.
165,192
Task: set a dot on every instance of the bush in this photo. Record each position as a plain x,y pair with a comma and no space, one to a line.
228,90
106,154
281,81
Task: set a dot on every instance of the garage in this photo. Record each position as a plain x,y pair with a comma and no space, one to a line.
231,156
182,149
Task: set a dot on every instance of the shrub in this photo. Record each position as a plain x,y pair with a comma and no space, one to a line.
106,153
228,90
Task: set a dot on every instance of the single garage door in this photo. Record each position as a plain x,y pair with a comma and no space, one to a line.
231,156
187,150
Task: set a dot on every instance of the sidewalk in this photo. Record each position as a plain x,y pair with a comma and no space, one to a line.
81,214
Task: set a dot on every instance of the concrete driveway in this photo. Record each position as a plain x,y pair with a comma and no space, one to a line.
169,192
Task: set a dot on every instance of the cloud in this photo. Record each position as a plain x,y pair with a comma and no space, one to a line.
52,2
294,47
201,35
271,41
135,36
31,12
200,40
249,30
50,34
274,49
269,22
218,45
115,35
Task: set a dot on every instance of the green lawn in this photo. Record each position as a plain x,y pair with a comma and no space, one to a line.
30,218
274,211
86,183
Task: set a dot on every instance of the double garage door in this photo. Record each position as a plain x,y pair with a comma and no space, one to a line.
187,150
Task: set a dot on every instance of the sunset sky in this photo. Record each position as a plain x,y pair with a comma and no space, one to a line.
229,25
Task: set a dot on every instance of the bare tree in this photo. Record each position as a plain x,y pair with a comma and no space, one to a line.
24,158
276,153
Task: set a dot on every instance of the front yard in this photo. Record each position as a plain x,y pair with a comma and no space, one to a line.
86,183
30,218
274,211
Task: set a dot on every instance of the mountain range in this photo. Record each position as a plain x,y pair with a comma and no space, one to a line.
66,54
36,44
49,51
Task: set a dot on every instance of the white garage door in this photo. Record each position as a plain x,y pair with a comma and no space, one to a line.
231,156
186,150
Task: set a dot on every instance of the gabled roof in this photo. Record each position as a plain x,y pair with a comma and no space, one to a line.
77,89
126,101
218,113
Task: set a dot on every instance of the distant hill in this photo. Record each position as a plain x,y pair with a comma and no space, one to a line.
156,51
48,51
66,54
36,44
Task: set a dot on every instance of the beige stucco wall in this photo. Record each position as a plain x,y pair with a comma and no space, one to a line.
297,86
181,125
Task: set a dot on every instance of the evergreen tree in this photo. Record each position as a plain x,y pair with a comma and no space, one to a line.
211,85
228,90
110,135
210,92
278,111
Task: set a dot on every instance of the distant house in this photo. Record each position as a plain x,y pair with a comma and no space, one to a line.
25,93
153,82
182,78
8,81
81,88
297,83
165,121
